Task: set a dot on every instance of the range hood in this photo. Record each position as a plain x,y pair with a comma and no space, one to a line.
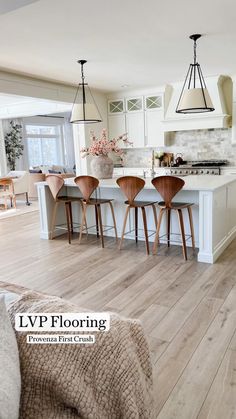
220,90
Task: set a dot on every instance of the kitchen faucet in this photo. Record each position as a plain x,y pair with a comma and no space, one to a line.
153,173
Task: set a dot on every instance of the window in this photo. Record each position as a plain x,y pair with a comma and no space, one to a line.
44,144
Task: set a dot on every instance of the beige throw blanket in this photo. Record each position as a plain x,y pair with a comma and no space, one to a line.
111,379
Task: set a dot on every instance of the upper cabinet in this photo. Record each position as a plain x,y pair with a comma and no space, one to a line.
154,134
135,121
141,117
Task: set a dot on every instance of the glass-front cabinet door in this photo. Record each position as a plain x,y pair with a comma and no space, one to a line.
134,104
153,102
116,106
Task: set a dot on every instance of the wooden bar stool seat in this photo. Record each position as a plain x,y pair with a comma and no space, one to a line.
131,186
168,186
175,205
87,185
56,183
139,204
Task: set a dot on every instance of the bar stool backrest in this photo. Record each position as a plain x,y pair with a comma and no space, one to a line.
87,185
55,183
168,186
130,186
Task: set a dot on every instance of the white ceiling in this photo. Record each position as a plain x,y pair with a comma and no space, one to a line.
9,5
126,42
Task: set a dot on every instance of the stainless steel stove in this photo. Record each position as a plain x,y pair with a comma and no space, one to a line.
205,167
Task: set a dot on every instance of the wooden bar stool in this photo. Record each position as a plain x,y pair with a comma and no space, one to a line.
87,185
131,186
168,186
56,183
7,191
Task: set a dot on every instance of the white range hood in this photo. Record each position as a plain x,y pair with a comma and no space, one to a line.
220,91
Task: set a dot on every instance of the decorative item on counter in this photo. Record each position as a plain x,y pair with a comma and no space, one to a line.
158,156
101,164
168,158
179,159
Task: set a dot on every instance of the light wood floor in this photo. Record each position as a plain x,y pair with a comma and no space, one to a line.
188,309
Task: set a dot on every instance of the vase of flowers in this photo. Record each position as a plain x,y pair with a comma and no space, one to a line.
100,148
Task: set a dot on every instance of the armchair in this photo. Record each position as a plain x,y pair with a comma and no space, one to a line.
20,182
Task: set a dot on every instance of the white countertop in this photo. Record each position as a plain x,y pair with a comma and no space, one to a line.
192,183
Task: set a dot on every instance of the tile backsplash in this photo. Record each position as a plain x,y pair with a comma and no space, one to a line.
194,145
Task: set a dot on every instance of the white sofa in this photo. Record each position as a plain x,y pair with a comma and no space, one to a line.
20,182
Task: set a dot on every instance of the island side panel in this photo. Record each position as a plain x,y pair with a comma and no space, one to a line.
224,218
217,221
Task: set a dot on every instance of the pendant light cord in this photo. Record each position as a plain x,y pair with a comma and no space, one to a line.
82,62
194,62
195,51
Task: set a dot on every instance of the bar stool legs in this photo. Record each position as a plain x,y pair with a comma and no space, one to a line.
68,220
181,224
190,214
145,228
84,208
136,223
144,217
168,213
124,225
100,223
98,218
156,241
114,220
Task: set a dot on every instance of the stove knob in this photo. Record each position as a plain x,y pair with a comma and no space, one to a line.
180,171
191,172
201,171
196,172
207,172
186,171
212,172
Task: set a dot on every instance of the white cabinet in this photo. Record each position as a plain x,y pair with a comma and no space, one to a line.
117,125
154,135
141,117
135,121
154,132
231,171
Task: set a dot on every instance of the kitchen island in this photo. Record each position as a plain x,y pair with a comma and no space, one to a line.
214,211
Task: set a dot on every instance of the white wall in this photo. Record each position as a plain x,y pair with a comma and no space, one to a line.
60,98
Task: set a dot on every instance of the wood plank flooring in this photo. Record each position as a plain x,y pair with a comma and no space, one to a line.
188,309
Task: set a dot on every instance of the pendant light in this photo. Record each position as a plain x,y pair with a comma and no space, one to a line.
194,96
84,110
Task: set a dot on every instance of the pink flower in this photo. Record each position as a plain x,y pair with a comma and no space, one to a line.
103,146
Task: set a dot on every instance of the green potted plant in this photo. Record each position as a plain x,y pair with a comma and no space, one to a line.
13,145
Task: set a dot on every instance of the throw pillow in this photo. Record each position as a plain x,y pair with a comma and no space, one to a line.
111,378
10,383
